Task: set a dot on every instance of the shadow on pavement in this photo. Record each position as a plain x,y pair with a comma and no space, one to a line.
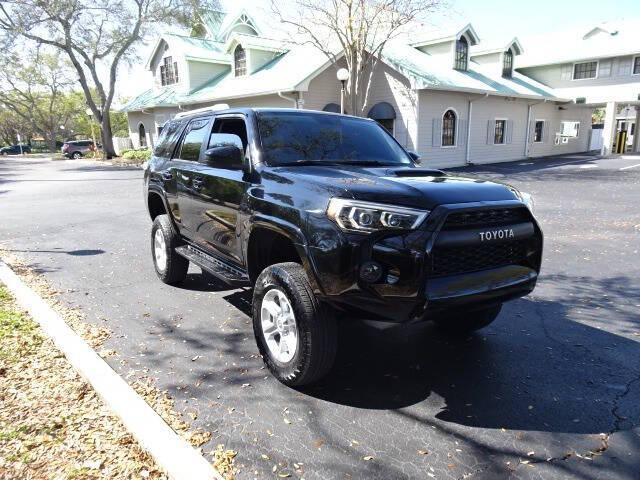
534,369
73,253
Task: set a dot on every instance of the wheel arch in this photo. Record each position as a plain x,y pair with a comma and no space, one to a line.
271,241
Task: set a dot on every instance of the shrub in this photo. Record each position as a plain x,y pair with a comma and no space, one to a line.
142,155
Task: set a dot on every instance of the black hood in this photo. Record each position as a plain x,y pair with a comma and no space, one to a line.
424,189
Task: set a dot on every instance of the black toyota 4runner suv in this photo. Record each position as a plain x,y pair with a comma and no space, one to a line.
328,217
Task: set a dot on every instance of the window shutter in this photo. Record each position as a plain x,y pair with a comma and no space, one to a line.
509,132
491,132
545,132
462,132
566,72
436,139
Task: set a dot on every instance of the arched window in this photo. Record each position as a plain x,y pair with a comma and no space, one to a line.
449,128
331,107
240,61
384,114
507,64
142,135
462,54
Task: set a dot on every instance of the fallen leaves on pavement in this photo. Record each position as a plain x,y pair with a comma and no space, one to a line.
52,423
53,392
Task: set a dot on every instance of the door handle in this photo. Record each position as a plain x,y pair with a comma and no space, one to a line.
167,175
198,183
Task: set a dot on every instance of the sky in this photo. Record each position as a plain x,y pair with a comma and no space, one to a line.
492,20
510,18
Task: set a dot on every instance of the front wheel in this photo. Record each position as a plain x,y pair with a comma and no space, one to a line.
296,335
170,267
76,155
462,323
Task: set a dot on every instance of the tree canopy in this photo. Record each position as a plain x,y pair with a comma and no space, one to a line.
95,37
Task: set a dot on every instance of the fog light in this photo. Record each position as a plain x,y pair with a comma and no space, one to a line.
371,272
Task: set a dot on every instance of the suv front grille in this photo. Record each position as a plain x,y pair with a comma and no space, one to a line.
472,258
486,218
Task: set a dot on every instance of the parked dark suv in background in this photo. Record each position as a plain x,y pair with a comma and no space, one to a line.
15,150
329,218
77,148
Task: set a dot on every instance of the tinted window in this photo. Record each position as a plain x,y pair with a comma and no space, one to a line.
233,126
168,138
290,137
192,142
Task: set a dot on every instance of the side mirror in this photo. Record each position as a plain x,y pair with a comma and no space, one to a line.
224,156
414,156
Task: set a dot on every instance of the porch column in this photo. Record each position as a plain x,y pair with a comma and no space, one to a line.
609,131
636,136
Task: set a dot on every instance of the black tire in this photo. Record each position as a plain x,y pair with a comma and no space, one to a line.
316,326
175,270
76,155
465,322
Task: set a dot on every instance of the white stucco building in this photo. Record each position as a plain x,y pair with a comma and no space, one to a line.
443,94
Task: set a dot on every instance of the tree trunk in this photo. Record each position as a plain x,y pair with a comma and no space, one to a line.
107,136
51,143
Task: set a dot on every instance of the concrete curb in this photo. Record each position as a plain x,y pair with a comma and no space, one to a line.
173,454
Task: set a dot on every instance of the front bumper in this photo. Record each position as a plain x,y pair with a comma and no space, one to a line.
411,290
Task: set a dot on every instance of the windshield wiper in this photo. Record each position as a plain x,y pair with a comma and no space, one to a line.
376,163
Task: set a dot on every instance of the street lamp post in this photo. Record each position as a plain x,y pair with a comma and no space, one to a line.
343,76
93,136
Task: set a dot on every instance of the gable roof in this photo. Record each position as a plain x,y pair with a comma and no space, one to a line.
616,39
432,35
287,72
191,48
254,42
424,72
487,49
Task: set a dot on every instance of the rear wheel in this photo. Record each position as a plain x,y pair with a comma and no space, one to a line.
461,323
296,335
170,267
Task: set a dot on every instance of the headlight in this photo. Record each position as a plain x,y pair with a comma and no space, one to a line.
358,216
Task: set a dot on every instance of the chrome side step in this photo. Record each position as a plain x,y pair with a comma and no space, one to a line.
219,268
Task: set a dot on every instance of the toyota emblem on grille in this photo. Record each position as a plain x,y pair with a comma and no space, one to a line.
497,234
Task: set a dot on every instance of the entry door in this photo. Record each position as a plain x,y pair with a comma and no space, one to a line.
217,203
186,168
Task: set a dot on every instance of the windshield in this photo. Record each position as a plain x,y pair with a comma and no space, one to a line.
290,138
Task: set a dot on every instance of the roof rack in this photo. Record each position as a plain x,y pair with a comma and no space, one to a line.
213,108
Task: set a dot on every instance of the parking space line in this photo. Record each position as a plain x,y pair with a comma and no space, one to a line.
630,166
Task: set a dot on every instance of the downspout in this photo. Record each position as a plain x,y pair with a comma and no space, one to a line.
467,153
291,99
528,136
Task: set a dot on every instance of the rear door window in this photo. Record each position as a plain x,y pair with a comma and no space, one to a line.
168,139
192,141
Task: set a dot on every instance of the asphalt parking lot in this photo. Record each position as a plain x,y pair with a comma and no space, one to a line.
550,390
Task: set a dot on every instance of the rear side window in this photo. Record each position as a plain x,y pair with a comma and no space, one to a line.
166,143
192,141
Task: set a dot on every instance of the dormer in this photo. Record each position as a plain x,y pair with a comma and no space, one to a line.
497,58
449,46
604,29
240,22
250,53
183,63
